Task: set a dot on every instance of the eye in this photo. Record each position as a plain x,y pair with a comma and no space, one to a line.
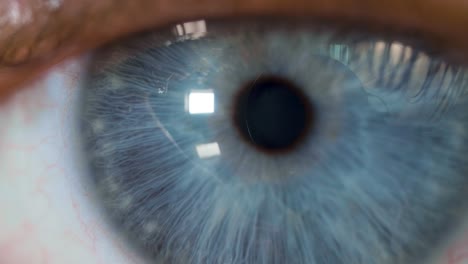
268,142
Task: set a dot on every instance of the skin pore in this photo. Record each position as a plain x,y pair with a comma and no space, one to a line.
40,33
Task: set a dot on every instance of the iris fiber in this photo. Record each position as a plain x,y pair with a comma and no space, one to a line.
380,178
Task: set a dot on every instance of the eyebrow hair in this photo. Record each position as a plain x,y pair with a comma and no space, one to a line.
34,33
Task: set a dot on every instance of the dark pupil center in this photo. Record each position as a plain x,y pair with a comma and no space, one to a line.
272,114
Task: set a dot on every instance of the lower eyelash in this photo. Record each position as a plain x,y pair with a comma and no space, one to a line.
365,186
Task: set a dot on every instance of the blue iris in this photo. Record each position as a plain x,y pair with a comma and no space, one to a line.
382,178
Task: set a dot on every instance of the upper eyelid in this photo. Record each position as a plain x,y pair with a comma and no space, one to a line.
48,27
90,23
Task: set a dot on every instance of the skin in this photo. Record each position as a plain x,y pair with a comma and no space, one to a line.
52,34
64,227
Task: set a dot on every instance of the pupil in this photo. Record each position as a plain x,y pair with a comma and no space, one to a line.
272,114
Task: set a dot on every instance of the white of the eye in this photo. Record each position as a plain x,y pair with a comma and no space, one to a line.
47,210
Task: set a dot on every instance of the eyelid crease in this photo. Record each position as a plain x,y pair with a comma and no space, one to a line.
52,34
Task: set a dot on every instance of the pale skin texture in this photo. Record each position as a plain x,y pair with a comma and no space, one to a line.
47,214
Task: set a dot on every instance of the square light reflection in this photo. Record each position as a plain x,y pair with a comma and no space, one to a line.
209,150
201,102
195,29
